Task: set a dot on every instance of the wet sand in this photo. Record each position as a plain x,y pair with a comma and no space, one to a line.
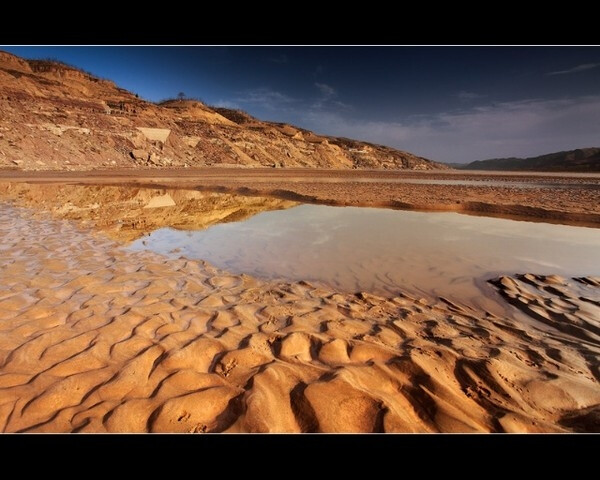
553,197
95,338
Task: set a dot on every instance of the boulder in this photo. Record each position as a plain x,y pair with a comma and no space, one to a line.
139,154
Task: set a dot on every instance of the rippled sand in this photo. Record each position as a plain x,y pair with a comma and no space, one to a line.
94,338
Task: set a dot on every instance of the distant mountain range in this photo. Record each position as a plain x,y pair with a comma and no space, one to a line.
580,160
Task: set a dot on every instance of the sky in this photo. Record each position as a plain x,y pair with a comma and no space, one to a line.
450,104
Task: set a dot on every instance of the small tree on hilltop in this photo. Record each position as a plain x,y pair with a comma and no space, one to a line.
181,96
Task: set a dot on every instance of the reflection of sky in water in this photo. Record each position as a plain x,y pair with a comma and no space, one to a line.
589,181
381,250
490,183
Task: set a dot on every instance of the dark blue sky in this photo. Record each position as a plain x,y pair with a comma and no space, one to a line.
446,103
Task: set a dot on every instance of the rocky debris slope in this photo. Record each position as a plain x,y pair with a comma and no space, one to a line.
56,117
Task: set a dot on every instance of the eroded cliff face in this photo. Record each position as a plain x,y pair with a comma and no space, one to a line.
55,117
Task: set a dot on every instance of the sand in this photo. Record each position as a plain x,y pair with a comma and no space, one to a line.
97,339
572,199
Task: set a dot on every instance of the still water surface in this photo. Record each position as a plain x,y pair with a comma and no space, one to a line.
384,251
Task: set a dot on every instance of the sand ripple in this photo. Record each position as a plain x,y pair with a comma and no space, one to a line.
96,339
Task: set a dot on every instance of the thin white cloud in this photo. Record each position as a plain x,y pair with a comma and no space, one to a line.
326,90
226,104
464,95
578,68
328,100
520,128
266,98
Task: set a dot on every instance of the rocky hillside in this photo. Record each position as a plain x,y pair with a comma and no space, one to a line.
56,117
580,160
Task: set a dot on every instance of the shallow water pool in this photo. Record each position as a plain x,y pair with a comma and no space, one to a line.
386,251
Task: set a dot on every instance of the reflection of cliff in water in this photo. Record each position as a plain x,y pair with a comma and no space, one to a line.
127,213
